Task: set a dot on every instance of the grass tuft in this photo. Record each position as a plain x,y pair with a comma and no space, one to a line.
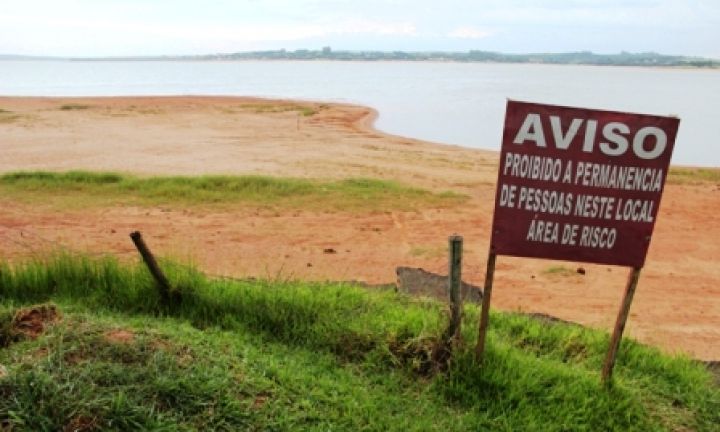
303,110
82,188
74,107
559,270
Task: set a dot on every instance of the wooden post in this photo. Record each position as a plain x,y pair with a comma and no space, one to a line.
152,265
620,325
455,244
485,313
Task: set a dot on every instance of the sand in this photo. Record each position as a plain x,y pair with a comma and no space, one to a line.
676,307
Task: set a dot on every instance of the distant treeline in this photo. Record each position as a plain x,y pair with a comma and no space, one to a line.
326,53
583,57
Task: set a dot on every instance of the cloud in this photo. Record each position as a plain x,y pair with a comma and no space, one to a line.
288,32
469,33
77,36
130,27
382,28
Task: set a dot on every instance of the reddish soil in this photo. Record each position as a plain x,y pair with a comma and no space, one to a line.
676,307
120,336
31,323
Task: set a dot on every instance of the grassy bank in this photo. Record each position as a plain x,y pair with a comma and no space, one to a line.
682,175
81,188
277,355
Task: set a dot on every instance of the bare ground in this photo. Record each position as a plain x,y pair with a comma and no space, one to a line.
677,305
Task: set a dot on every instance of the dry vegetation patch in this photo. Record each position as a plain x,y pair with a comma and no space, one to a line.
682,175
27,323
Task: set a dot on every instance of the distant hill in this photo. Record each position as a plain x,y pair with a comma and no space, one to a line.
578,58
583,57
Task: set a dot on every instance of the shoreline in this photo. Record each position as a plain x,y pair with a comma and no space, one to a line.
187,135
345,119
10,58
366,123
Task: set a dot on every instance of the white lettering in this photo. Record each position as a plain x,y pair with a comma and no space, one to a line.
590,132
639,142
543,232
611,132
507,195
648,142
563,142
532,122
598,237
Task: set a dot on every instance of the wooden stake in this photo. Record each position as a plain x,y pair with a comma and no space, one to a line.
152,265
620,325
485,313
455,244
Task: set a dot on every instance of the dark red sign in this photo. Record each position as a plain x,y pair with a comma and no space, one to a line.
580,185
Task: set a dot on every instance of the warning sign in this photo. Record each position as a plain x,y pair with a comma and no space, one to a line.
579,184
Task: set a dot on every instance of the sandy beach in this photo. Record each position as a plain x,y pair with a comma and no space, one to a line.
676,307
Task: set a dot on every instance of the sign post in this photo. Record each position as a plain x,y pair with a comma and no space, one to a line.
620,325
485,311
580,185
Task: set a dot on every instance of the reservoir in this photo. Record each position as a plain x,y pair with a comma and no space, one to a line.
452,103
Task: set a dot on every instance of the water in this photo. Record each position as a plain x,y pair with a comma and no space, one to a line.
453,103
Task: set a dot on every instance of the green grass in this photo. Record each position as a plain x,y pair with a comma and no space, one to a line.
303,110
81,188
428,251
283,355
559,270
74,107
693,175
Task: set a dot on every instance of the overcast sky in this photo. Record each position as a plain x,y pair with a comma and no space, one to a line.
154,27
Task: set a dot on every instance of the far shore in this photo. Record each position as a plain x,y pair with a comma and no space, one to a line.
677,305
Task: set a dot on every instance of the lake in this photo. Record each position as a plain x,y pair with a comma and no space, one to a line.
452,103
